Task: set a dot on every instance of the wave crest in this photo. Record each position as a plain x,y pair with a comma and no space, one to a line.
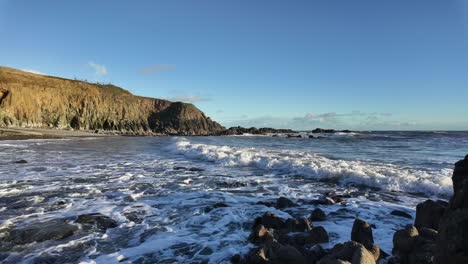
385,176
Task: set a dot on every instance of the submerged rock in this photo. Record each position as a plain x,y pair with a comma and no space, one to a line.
97,221
41,231
284,202
401,214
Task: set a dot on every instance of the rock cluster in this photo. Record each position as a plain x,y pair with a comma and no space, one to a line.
297,240
56,229
255,131
440,231
439,234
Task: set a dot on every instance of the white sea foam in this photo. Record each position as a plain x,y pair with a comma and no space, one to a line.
385,176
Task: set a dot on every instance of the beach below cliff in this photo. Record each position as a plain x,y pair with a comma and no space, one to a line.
44,133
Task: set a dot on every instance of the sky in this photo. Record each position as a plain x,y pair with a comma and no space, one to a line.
360,64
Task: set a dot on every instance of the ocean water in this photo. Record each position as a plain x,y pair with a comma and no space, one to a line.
161,190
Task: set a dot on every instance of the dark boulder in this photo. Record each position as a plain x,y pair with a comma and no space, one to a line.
315,236
318,215
41,231
401,214
275,252
284,202
96,221
215,206
260,234
298,224
362,233
349,252
403,240
429,213
270,220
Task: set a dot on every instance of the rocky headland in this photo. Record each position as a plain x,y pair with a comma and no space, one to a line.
438,235
30,100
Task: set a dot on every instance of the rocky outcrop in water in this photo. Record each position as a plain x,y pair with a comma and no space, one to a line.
32,100
440,233
255,131
452,241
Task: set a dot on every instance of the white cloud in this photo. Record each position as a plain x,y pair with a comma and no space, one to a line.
99,70
355,120
33,71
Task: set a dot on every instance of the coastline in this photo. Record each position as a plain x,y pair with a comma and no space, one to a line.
10,133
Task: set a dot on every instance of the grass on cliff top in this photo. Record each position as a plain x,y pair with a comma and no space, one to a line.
13,76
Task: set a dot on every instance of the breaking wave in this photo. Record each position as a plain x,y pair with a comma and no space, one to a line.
389,177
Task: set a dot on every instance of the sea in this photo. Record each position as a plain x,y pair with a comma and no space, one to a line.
194,199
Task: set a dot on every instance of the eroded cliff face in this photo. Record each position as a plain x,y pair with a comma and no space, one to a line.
32,100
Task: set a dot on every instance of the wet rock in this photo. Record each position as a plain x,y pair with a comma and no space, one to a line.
236,258
315,236
270,220
362,233
284,202
196,169
260,234
274,252
429,213
298,225
214,206
315,253
318,215
452,239
267,204
235,184
96,220
179,168
362,256
41,231
401,214
403,240
351,251
428,233
21,162
376,252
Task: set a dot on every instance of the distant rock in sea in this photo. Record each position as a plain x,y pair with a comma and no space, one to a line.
33,100
255,131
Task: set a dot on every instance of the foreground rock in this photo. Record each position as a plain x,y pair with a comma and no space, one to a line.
440,232
429,214
297,241
362,233
452,241
349,252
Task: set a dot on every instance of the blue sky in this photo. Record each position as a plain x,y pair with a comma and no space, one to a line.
302,64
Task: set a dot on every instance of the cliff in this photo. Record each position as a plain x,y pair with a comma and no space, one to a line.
32,100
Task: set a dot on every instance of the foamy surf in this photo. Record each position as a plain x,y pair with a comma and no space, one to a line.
356,172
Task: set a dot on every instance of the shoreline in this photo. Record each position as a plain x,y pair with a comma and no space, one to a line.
10,133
